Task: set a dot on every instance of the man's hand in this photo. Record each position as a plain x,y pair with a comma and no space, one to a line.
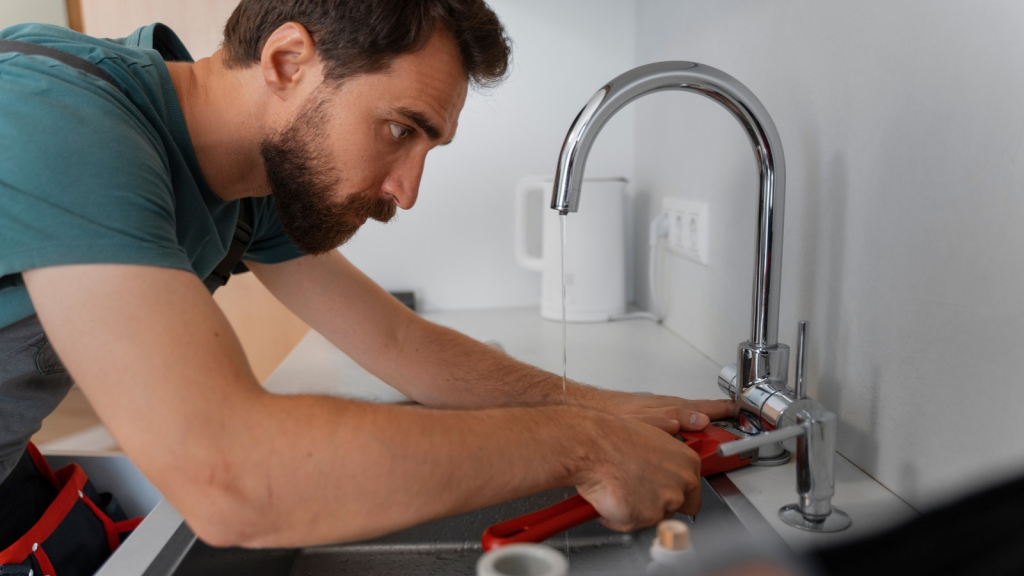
669,413
637,475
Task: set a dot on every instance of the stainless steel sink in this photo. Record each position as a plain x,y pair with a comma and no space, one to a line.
451,546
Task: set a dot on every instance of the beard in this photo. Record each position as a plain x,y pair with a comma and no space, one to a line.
303,185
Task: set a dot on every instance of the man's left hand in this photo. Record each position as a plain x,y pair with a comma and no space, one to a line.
670,413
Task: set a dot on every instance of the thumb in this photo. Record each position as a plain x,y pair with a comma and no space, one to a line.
694,421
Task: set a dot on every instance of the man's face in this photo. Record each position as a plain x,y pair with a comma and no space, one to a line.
356,151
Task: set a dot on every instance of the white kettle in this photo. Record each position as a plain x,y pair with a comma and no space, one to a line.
595,249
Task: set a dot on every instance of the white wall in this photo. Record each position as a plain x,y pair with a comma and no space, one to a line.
903,129
42,11
199,23
454,248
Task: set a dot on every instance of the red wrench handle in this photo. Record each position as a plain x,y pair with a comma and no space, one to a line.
541,525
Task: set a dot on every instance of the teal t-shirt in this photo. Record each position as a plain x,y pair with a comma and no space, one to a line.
90,173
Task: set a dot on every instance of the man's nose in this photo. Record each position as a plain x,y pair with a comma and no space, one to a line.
403,181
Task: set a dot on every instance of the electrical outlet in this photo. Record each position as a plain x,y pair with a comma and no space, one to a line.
687,229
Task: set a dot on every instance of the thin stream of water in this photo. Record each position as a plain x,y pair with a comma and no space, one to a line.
565,400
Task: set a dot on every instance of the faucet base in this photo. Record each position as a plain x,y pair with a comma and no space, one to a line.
772,455
836,521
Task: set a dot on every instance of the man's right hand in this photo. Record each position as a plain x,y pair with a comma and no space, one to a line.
637,475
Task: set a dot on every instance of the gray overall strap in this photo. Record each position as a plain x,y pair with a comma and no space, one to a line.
30,49
32,379
243,229
239,243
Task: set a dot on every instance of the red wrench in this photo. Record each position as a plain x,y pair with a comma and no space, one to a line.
543,524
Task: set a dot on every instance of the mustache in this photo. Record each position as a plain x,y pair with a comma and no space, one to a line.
379,208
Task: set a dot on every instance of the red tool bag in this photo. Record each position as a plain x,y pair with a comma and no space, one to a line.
75,532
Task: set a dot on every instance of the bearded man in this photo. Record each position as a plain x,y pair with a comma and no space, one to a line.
132,181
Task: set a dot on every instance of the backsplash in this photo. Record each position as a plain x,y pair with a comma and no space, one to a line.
903,131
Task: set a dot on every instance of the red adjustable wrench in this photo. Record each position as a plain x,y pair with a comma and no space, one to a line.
540,525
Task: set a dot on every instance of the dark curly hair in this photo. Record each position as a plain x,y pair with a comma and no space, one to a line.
355,37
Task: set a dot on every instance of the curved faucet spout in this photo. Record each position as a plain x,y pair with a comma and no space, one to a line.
745,107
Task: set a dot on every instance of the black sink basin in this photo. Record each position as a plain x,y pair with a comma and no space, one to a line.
450,546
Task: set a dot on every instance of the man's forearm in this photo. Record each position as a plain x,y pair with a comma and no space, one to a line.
441,367
345,470
438,366
434,365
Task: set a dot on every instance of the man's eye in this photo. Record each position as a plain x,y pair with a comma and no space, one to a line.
399,132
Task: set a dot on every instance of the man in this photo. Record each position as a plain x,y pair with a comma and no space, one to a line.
118,198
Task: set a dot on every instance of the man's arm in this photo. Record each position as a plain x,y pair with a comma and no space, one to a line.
165,373
438,366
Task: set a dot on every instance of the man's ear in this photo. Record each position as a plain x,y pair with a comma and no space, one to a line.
289,61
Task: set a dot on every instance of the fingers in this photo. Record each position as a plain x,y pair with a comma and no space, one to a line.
655,511
714,409
692,421
691,497
669,425
644,475
692,415
695,415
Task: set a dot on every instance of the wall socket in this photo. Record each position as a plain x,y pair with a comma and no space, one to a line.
687,229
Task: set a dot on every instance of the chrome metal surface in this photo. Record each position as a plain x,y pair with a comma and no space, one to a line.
772,455
774,407
764,138
759,365
727,381
764,403
808,430
800,386
762,439
762,375
761,370
837,521
815,479
451,546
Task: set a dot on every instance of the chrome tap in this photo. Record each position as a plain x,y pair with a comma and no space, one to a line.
763,363
757,382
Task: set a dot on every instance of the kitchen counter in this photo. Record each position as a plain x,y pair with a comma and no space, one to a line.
634,355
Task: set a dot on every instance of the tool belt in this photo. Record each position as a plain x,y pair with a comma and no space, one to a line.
56,523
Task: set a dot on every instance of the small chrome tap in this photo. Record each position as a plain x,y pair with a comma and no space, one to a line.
814,430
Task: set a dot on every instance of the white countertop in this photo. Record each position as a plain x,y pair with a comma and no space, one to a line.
634,355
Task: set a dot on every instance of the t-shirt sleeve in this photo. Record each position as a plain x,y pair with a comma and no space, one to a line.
84,178
270,244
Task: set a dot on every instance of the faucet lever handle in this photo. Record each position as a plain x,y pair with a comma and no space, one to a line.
801,357
762,439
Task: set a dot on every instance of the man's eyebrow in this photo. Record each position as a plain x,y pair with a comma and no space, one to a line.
420,119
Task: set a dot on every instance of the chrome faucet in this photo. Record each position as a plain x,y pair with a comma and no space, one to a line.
761,359
757,382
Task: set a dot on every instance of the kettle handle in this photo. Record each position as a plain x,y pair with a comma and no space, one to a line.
523,191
